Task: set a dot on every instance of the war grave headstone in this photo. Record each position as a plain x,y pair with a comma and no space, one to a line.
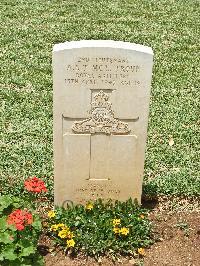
101,103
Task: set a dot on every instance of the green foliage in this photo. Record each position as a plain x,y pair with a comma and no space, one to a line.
18,247
9,202
102,228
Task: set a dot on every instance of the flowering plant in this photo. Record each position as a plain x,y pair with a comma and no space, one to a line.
101,228
20,218
20,227
34,184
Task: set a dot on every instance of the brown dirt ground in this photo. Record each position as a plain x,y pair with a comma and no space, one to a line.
176,230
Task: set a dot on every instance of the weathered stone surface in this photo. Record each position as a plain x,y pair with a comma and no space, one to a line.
101,101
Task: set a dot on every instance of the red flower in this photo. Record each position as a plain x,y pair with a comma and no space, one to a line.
35,184
20,218
19,227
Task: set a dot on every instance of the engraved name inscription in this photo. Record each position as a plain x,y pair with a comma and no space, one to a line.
100,71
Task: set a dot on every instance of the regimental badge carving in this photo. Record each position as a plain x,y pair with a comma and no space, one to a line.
101,118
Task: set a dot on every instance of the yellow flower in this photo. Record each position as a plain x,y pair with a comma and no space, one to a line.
141,251
70,243
116,222
124,231
142,216
89,206
51,214
54,227
116,230
62,226
63,233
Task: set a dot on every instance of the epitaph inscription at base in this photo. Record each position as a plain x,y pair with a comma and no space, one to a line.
101,102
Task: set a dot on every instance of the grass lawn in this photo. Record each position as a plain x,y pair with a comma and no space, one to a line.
30,28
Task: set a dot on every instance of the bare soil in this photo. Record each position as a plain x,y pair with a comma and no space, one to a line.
176,231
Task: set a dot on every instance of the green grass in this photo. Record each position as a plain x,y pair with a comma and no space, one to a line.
29,29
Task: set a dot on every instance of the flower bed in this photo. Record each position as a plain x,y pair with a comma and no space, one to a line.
96,229
99,228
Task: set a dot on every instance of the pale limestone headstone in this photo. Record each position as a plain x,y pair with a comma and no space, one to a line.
101,102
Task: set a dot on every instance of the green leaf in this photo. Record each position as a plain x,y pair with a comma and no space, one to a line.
37,224
17,205
9,253
16,262
5,238
27,247
3,224
24,243
39,261
77,223
9,201
1,257
27,251
5,202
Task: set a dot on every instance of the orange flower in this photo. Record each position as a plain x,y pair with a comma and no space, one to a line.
34,184
141,251
20,218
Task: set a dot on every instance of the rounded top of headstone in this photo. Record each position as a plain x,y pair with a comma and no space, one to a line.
102,44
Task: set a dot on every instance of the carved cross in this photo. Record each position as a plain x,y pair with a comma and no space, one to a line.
101,125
